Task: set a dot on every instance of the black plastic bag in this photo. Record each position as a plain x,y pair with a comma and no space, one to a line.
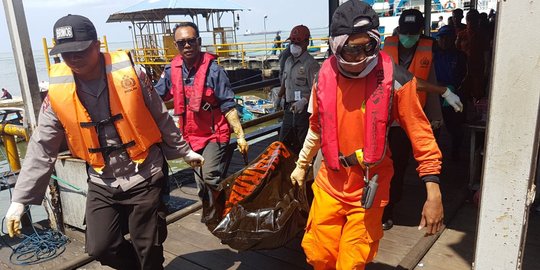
258,207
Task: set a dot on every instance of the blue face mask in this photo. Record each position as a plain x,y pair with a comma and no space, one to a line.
408,41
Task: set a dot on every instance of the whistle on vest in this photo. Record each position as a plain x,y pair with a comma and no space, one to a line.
369,191
360,157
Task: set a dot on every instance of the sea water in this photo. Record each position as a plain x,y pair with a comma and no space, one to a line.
8,73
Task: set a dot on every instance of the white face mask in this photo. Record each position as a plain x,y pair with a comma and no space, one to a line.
296,50
357,69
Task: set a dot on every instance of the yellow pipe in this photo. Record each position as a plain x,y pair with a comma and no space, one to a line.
105,44
13,130
11,152
46,50
244,65
8,132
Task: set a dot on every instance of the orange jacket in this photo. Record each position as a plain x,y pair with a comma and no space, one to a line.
346,184
135,125
421,63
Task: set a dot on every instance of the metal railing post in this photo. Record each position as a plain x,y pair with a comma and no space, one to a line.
11,152
46,50
8,132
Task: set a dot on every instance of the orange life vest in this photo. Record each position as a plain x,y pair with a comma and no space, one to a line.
132,120
422,60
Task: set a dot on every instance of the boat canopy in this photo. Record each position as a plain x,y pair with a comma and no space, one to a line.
157,10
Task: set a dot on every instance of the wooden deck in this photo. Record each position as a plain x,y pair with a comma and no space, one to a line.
191,246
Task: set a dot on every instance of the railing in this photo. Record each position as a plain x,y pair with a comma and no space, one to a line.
240,50
8,130
157,57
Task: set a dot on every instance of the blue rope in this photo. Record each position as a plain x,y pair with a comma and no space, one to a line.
38,247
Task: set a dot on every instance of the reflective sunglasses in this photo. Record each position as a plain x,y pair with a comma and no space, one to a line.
182,43
367,49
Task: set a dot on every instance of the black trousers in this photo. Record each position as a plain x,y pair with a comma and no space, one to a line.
454,124
297,124
401,151
111,213
212,169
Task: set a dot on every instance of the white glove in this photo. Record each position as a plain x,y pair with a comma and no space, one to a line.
299,106
453,100
298,176
13,218
194,159
309,150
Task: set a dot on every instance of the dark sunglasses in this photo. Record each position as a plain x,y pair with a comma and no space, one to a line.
367,49
182,43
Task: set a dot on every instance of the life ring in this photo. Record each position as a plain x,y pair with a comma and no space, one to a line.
450,5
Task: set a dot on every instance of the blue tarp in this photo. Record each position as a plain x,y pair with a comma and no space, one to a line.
156,10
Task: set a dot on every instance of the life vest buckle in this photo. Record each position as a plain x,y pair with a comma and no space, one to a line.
207,106
348,161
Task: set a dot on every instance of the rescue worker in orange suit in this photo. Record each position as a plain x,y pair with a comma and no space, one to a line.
204,102
414,52
114,120
358,93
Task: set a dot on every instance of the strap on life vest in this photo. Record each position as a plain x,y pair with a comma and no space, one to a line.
356,158
107,150
103,122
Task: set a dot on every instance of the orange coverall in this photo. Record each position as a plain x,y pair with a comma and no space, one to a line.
340,234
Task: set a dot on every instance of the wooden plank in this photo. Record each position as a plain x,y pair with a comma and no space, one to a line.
73,249
417,252
174,262
455,247
293,257
204,239
95,265
199,256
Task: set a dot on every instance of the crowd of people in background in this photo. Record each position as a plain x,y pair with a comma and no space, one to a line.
461,62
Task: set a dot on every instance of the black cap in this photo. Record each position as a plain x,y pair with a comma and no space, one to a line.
352,17
411,22
73,33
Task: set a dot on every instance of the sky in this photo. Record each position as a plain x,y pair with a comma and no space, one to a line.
42,14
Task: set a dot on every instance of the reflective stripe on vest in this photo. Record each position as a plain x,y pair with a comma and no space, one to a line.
377,113
421,62
125,98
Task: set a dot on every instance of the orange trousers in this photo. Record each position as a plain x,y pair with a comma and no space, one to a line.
339,235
